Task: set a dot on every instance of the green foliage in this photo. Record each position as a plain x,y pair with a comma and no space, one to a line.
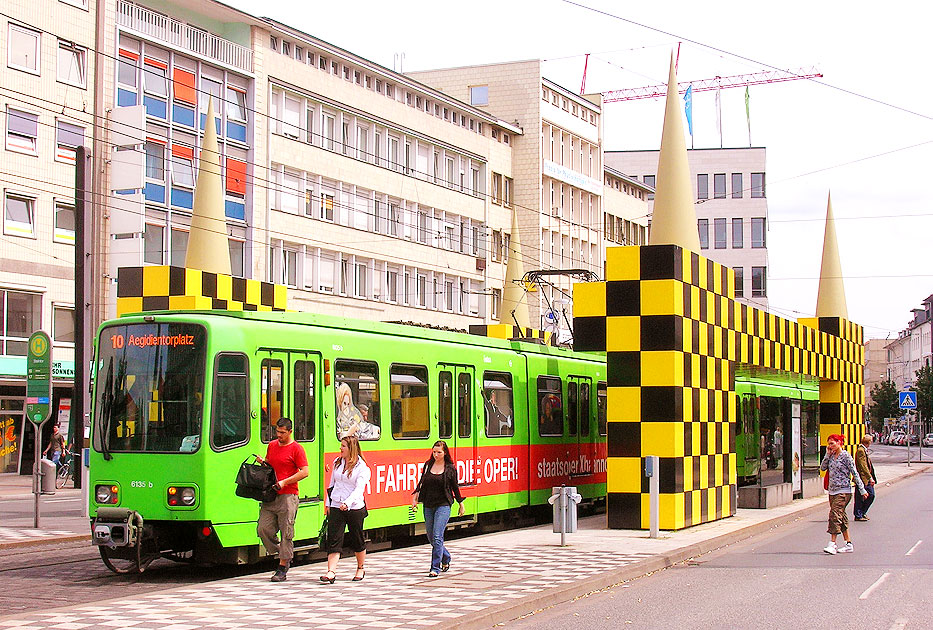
924,389
884,404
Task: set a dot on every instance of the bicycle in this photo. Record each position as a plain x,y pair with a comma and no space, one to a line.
64,473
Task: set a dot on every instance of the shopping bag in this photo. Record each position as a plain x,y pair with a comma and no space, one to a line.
256,481
322,535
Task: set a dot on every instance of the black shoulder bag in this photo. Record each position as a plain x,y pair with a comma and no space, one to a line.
256,481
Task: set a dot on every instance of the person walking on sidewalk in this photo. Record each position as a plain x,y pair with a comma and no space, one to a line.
290,463
346,508
840,469
56,447
437,490
866,470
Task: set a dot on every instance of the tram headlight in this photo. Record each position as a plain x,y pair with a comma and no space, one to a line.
181,496
106,494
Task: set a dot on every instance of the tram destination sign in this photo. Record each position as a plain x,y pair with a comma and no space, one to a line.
39,378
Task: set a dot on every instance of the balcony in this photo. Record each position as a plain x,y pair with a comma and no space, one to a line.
183,36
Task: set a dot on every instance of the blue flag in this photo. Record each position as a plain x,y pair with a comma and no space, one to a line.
688,108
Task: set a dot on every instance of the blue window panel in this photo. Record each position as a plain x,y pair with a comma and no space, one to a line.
154,192
183,115
155,107
235,210
236,131
125,98
216,124
126,191
182,198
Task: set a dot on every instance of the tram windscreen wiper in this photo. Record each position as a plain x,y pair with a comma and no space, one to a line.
106,410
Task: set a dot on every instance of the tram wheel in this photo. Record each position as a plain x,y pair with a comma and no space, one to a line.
125,560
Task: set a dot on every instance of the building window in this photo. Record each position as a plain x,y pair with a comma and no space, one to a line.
703,186
496,305
64,223
182,166
739,281
758,233
154,244
759,282
738,237
703,227
327,206
21,316
758,185
479,95
72,64
719,186
68,137
179,248
155,161
737,186
23,49
649,181
719,233
236,104
289,268
63,325
19,215
496,188
22,131
507,192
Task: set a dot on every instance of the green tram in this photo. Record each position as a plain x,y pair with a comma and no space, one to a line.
762,419
181,399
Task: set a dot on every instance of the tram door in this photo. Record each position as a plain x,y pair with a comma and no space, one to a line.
456,414
290,387
580,416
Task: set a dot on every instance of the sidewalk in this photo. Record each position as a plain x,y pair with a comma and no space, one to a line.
16,527
493,578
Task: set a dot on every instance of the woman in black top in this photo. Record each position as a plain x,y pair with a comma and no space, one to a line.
437,489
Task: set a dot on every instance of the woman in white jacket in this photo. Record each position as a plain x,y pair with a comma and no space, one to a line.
346,508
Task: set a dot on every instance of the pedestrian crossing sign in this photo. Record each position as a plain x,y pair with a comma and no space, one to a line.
907,400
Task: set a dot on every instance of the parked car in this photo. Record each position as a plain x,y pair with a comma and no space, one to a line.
928,439
896,437
914,438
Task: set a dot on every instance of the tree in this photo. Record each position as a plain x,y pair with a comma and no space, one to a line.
884,404
924,389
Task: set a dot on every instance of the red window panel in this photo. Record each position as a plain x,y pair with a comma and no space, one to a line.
180,150
129,54
184,86
156,63
236,176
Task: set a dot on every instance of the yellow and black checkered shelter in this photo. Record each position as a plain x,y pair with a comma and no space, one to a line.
673,334
159,288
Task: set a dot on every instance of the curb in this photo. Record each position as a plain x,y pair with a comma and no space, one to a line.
550,597
34,542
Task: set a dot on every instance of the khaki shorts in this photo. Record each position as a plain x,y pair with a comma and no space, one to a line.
838,520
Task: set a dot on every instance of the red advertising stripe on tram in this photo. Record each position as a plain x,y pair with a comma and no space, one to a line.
494,470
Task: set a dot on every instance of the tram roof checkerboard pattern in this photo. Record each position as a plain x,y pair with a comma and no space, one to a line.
673,333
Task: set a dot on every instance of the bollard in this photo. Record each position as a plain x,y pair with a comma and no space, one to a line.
652,471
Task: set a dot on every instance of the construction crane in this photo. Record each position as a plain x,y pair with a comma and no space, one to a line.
716,83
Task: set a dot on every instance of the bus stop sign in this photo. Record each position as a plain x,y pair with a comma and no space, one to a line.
39,378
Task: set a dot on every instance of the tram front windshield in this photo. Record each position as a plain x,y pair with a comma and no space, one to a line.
150,388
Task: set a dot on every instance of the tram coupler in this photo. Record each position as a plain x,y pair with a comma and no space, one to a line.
116,527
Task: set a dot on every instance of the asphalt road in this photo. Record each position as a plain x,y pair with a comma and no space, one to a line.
782,579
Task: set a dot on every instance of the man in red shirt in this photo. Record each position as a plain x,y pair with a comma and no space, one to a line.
288,460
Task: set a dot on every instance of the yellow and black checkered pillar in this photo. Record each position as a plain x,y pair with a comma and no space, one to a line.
663,317
841,368
162,287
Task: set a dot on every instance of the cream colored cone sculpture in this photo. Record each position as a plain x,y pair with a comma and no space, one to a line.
513,294
831,297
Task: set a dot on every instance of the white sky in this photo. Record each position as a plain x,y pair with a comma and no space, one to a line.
818,139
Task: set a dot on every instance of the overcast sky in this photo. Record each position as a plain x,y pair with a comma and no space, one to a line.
819,138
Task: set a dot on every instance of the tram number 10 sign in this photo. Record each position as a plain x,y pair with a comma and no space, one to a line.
39,378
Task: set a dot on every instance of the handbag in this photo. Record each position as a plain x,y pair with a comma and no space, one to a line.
256,481
826,480
322,535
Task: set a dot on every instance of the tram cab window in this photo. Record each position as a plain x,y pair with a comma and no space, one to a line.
445,406
572,419
550,409
409,394
270,379
585,414
497,404
230,408
304,400
357,399
601,406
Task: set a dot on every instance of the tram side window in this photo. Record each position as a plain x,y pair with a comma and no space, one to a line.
572,419
445,407
410,410
550,410
230,413
304,401
601,407
270,383
357,399
497,404
585,409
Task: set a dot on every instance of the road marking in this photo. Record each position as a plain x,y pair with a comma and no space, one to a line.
899,624
878,582
913,549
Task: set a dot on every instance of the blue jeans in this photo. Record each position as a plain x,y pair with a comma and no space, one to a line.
57,460
435,522
862,505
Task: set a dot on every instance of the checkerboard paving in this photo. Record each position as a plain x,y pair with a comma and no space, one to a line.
396,593
20,534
